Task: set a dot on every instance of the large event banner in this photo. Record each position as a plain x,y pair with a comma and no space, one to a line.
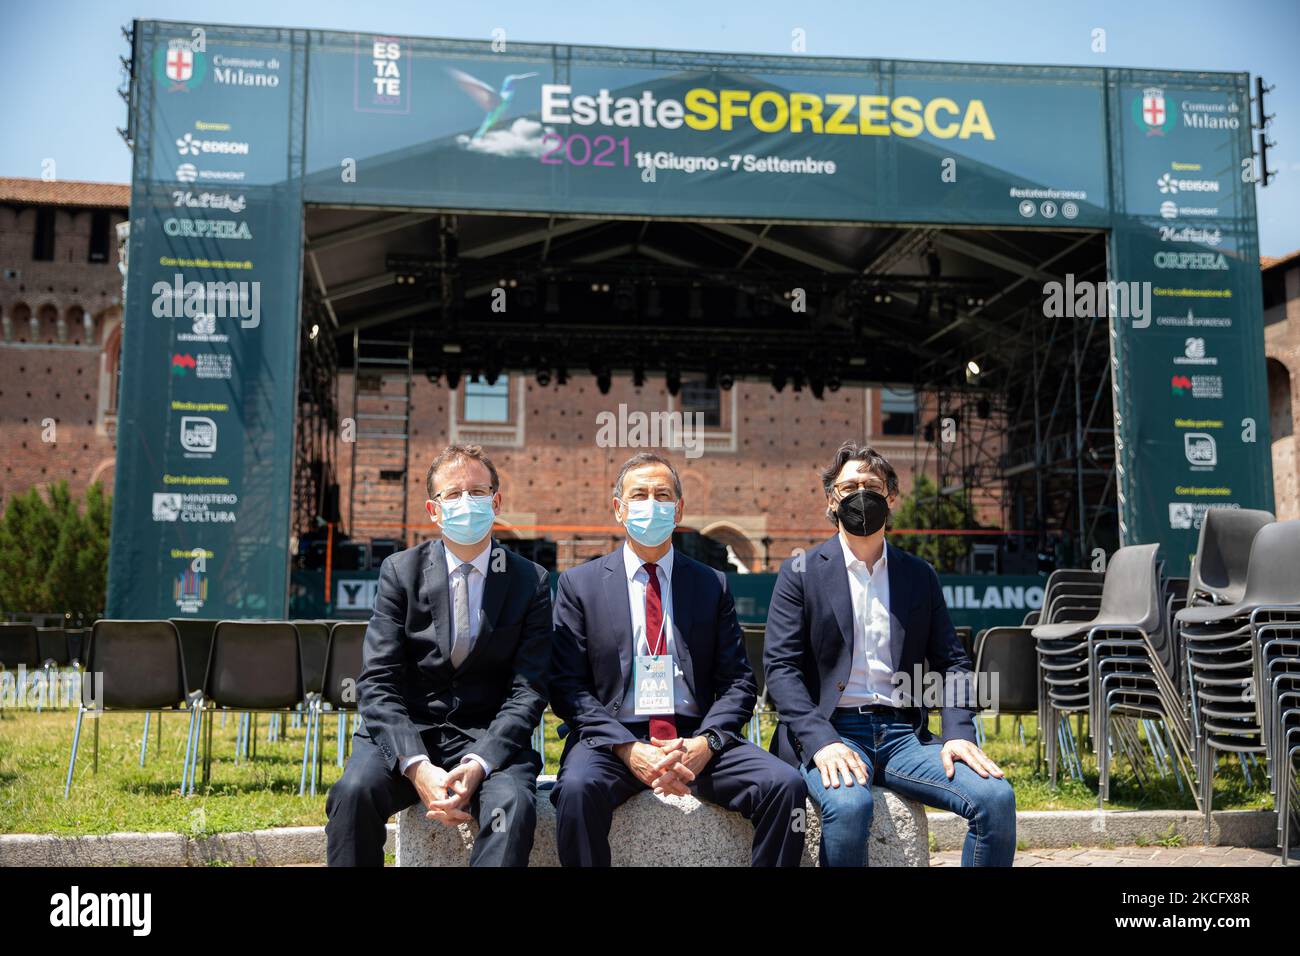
201,512
412,122
237,128
1189,381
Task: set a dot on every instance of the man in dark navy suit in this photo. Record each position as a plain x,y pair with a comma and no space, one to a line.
651,677
453,682
849,627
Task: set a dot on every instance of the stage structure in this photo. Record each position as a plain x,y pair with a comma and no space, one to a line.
1062,260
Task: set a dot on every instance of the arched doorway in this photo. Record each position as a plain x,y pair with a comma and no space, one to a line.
1281,414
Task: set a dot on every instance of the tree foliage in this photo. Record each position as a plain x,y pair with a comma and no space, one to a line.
925,509
54,552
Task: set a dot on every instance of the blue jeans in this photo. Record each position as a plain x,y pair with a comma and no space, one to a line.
898,761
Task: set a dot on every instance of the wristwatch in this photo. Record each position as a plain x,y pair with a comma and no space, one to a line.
715,740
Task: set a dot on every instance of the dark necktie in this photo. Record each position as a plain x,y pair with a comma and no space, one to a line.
662,728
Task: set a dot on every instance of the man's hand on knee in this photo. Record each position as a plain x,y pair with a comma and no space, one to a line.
840,762
971,755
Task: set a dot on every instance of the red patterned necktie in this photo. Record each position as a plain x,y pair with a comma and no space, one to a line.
661,728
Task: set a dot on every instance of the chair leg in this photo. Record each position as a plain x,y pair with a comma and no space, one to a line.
339,748
144,738
97,718
207,750
306,748
72,760
189,746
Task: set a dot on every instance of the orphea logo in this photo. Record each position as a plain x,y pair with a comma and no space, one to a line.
1153,112
179,68
1180,385
182,364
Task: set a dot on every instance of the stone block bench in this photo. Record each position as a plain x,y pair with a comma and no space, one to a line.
683,830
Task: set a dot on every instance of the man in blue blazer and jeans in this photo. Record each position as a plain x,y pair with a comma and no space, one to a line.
849,627
650,676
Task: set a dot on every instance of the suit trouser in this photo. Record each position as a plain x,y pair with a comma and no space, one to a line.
369,792
744,778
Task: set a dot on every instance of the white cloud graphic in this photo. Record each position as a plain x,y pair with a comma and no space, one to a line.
523,138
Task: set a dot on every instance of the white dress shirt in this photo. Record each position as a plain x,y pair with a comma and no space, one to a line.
871,678
476,580
683,701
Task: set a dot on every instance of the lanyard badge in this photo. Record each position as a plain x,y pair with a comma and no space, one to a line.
652,679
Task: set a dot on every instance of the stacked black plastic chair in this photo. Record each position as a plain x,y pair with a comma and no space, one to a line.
1055,678
1230,685
1117,663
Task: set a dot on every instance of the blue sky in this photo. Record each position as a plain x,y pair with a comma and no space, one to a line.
61,57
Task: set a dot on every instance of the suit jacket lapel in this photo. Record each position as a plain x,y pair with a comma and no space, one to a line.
837,589
621,610
436,591
680,584
897,635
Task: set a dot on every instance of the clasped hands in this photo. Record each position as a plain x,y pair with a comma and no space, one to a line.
666,766
446,794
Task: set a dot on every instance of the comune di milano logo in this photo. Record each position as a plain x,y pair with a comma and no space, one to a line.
75,908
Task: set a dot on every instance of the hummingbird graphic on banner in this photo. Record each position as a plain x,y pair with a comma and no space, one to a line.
494,102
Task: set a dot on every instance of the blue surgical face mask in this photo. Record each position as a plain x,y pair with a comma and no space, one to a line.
467,520
650,522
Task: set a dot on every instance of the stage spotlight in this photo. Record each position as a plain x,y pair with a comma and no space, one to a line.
543,376
972,372
528,295
673,379
638,373
315,331
725,381
603,381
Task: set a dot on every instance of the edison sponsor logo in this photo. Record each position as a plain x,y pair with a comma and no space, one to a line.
771,112
181,299
1167,183
75,909
188,145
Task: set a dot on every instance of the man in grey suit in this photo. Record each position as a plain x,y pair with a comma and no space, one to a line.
453,682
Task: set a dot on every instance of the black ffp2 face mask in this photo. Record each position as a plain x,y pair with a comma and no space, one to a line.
863,512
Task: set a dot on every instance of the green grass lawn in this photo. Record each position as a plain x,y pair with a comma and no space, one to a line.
263,792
